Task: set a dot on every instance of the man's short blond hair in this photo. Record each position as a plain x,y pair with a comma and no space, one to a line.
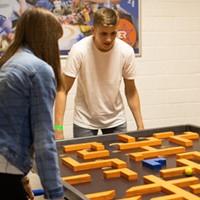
105,17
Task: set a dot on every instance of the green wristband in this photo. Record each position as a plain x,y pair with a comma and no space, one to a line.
58,128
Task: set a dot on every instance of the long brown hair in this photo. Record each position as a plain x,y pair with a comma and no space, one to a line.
38,29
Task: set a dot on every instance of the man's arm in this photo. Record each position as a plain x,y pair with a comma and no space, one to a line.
60,106
134,102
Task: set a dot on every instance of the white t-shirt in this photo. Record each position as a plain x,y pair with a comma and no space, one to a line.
98,102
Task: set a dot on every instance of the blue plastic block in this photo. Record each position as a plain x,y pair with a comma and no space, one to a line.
162,161
38,192
155,163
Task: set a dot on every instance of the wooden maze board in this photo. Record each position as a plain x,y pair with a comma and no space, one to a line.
111,166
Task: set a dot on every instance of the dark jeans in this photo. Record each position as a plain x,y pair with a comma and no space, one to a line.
11,187
84,132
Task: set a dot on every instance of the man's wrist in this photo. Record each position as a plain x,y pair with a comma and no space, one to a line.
58,127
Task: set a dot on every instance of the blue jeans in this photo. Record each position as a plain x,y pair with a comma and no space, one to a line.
84,132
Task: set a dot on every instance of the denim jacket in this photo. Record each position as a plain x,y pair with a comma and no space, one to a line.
27,93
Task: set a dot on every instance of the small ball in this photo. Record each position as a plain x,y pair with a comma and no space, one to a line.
188,171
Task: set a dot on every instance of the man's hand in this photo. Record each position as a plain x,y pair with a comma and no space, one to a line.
59,135
140,128
27,188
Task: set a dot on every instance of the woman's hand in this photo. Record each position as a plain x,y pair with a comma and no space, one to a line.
27,187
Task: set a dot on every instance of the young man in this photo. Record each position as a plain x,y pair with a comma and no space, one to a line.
100,62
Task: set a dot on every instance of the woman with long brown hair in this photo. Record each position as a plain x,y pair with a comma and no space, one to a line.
30,73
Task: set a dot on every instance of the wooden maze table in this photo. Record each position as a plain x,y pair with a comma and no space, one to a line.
112,166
